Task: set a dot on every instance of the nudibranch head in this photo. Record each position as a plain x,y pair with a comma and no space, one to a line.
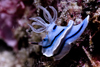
57,42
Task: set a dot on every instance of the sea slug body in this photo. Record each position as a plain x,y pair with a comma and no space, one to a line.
57,42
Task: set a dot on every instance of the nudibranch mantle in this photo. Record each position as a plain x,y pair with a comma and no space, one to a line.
57,42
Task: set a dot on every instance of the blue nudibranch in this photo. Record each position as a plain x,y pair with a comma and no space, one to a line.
57,42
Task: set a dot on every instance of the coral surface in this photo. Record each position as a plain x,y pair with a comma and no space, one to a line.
15,35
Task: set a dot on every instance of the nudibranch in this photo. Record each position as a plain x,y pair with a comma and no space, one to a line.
57,42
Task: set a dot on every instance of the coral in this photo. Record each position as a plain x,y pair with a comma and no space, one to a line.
5,61
8,9
96,16
15,47
69,11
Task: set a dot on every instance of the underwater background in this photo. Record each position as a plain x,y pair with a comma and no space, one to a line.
15,35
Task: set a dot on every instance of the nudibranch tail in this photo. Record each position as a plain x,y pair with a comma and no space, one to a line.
35,30
38,18
46,13
73,35
55,13
54,16
77,30
39,22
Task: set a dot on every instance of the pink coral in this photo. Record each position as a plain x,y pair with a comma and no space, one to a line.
8,9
